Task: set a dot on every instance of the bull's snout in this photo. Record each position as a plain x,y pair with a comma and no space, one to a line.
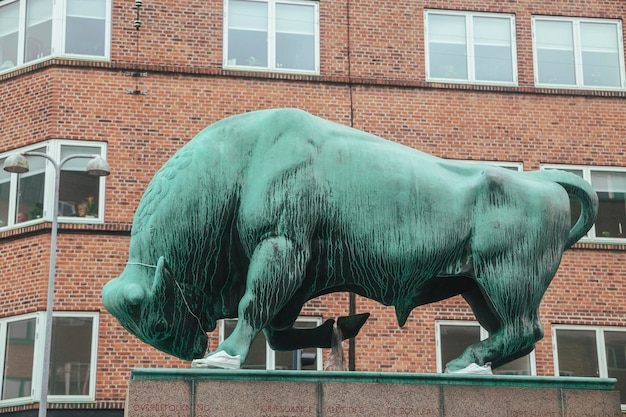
119,297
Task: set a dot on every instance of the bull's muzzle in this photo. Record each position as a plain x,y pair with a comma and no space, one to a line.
146,301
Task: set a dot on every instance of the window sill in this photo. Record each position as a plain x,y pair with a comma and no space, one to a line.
45,226
92,405
468,82
578,88
246,69
597,244
50,61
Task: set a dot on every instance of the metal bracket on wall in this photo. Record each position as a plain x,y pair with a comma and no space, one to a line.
136,92
136,74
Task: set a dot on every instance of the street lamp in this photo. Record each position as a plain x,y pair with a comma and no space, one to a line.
17,163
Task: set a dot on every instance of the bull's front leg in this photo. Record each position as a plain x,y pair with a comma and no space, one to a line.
276,272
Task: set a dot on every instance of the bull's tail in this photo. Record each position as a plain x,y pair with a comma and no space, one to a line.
582,190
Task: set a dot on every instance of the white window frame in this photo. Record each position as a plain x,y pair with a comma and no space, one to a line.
93,365
58,35
37,357
40,319
271,53
603,370
578,67
53,148
470,43
513,166
483,335
586,170
270,355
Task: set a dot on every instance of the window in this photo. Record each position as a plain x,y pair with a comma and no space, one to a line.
19,351
470,47
30,31
273,35
454,336
610,185
72,357
27,197
581,53
587,351
261,356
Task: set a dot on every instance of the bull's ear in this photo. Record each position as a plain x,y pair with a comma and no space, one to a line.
162,276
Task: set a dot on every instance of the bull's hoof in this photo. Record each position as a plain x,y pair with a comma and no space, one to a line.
350,325
221,360
472,368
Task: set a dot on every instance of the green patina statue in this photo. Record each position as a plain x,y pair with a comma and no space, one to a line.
266,210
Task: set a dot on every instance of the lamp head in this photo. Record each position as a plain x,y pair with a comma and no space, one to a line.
98,166
16,163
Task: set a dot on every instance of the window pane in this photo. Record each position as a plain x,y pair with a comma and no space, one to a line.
615,343
70,355
520,366
87,8
295,37
30,192
446,28
85,27
574,203
78,194
611,190
5,183
295,18
492,31
9,26
600,53
553,34
78,191
289,360
247,33
578,355
38,29
454,339
555,52
492,51
601,69
30,197
494,63
447,46
257,356
18,360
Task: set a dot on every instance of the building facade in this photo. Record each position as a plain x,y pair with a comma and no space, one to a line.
523,84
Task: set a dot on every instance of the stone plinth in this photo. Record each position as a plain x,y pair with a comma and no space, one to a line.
246,393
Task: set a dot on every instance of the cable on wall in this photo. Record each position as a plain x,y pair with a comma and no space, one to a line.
137,74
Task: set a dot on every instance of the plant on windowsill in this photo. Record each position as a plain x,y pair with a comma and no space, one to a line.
37,212
90,207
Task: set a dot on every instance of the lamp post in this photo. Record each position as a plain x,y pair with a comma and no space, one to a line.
17,163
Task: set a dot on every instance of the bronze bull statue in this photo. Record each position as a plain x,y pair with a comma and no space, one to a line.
264,211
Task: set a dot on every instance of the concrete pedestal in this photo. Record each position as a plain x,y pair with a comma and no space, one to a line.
244,393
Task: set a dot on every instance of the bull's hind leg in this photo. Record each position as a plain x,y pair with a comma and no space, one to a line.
275,273
508,308
512,340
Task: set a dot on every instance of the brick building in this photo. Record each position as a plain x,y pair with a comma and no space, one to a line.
524,84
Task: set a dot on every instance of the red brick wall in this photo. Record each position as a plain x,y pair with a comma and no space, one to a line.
180,46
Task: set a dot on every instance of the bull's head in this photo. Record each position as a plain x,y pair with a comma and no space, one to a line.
151,304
